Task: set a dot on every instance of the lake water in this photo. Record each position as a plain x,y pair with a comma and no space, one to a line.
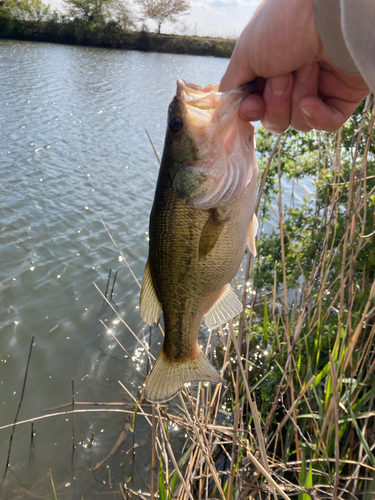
73,146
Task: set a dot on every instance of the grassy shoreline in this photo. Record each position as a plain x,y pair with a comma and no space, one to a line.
110,35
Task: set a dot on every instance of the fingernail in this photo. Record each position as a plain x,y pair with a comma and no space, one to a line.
304,74
279,85
310,112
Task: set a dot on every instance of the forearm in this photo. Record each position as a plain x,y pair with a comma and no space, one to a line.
346,28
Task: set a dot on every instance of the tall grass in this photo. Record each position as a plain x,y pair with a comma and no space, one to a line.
294,416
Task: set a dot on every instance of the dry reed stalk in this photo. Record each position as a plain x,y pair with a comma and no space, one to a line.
19,408
124,323
285,288
297,331
73,417
286,308
70,412
354,477
153,147
171,454
153,459
189,470
263,469
267,475
202,441
235,425
363,204
114,337
365,356
290,411
289,239
124,260
265,173
119,251
350,225
164,443
136,401
335,401
94,403
354,338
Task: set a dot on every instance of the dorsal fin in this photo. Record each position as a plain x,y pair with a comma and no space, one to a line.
149,305
224,309
251,235
210,234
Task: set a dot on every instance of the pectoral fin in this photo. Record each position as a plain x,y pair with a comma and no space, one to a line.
210,234
149,305
224,309
251,235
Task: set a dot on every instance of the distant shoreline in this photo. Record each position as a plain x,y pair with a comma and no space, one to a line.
111,36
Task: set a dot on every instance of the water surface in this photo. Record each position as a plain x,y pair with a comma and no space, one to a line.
72,147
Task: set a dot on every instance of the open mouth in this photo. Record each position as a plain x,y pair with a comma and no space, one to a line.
228,162
195,95
200,103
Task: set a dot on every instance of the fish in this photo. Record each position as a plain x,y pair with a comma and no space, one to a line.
201,220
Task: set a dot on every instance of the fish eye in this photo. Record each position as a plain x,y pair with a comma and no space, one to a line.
175,125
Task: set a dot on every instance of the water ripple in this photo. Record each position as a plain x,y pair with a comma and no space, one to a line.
73,145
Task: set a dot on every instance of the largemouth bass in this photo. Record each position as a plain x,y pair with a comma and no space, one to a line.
201,220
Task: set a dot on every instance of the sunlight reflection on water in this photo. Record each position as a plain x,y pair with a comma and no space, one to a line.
73,146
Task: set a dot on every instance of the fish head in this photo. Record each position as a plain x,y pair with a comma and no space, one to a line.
211,150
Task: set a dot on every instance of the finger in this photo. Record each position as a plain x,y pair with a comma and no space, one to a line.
237,74
305,84
329,115
239,70
334,84
252,108
277,96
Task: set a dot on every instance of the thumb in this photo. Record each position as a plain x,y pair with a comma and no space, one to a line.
238,71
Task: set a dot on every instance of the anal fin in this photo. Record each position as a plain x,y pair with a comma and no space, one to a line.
149,305
251,235
168,378
224,309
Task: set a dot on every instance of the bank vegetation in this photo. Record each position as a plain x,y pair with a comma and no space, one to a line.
106,23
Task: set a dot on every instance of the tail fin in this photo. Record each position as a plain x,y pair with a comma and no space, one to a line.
167,379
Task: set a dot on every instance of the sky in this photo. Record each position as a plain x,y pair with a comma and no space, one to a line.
223,18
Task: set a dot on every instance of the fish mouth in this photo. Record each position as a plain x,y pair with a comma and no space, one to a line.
200,103
207,97
197,105
201,97
224,143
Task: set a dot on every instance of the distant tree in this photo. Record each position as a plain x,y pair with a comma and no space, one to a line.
163,10
37,10
97,11
123,15
26,10
6,8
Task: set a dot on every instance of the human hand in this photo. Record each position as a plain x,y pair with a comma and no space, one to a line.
297,83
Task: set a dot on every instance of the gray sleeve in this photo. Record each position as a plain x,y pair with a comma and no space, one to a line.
347,31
